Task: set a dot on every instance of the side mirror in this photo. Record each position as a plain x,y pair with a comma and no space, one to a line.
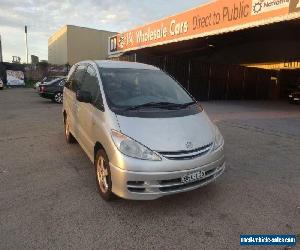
83,96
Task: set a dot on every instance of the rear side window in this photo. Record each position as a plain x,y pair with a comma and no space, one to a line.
91,85
78,77
70,77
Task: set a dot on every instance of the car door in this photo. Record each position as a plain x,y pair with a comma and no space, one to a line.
68,103
90,113
73,84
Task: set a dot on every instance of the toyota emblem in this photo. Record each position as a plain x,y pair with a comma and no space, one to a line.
189,145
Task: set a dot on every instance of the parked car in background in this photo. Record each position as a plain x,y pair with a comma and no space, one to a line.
294,96
1,84
36,85
45,80
145,134
53,90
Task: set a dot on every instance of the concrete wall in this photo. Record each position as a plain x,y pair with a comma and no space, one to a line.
73,44
57,47
1,58
87,44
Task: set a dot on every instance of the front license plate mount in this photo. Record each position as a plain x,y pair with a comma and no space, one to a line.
192,177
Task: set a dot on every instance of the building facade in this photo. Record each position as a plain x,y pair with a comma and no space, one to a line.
224,49
72,44
1,58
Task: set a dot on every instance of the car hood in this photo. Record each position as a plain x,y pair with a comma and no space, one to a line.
169,134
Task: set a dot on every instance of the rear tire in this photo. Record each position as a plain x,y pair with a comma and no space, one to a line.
103,176
69,137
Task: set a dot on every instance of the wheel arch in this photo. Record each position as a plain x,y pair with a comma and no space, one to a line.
97,147
65,116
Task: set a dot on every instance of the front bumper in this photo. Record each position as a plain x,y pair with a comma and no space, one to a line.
152,185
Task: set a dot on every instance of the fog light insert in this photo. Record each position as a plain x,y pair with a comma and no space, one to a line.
135,183
136,190
136,186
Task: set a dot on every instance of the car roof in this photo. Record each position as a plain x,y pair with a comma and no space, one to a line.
123,65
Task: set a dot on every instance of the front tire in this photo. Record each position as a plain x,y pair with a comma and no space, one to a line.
69,137
103,175
58,97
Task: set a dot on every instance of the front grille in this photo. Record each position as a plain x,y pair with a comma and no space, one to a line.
187,154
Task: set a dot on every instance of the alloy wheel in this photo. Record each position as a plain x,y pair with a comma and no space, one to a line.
58,97
102,174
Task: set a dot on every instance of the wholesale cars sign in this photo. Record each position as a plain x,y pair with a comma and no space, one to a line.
210,19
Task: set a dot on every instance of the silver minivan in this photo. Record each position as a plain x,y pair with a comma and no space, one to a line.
145,134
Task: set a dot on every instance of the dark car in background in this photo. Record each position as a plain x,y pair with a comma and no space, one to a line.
53,90
294,96
1,84
44,80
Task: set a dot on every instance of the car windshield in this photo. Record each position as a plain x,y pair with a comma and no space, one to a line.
133,88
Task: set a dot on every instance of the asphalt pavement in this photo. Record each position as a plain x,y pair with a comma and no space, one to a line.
49,198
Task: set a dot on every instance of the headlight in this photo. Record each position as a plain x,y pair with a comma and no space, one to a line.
132,148
219,141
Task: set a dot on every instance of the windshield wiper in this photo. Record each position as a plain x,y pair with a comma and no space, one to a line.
181,106
162,105
185,105
152,105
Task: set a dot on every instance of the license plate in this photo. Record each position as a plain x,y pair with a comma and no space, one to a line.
192,177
